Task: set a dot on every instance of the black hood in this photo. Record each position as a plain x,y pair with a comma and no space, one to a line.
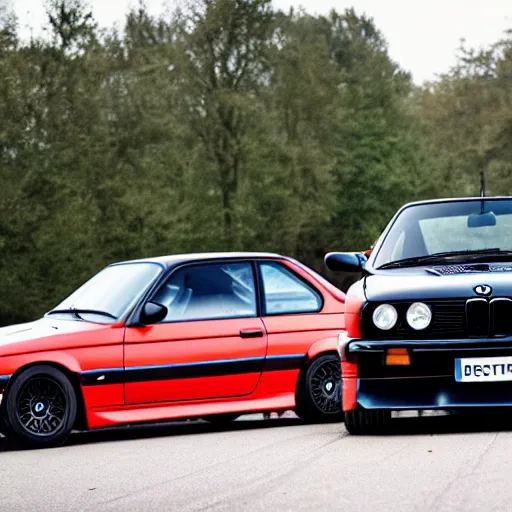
429,283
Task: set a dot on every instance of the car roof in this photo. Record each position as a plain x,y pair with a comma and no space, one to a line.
175,259
457,199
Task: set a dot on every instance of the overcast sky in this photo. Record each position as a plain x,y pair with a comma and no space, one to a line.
423,35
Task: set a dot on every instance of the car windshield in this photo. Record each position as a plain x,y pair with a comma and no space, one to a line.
111,292
454,227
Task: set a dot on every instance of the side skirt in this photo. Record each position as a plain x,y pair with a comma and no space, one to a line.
146,413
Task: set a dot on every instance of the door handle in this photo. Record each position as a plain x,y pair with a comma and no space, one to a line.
251,333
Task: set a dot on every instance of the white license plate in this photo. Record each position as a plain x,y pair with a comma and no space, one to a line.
483,369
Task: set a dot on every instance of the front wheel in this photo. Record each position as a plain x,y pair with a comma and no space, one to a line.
366,421
40,407
319,390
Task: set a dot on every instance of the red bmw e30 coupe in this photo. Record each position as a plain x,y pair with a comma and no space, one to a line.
211,336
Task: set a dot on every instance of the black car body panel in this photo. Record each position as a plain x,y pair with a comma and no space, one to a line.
419,284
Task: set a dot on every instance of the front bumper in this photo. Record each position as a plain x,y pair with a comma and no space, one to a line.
428,382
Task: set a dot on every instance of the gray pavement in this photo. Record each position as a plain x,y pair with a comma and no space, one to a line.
279,464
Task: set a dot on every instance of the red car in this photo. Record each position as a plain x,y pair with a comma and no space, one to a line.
210,336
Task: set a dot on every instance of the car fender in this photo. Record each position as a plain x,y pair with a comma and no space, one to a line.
329,344
9,365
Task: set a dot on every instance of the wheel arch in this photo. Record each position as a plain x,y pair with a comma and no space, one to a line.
74,379
302,406
322,346
308,361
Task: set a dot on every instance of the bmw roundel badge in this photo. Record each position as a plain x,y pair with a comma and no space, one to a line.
483,289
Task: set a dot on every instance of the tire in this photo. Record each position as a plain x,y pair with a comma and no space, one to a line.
365,421
319,390
220,419
40,407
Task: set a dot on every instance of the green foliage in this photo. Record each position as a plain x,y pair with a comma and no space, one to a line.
227,126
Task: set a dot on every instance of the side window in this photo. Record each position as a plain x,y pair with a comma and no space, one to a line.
205,292
286,293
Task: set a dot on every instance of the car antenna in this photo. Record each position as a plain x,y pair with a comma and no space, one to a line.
482,189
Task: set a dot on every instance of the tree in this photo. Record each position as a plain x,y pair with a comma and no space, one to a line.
72,24
467,119
224,65
373,156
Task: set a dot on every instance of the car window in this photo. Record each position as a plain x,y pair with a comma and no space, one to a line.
447,226
205,292
286,293
453,234
398,249
114,290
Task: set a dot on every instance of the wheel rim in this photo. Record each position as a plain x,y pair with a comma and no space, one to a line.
41,406
326,387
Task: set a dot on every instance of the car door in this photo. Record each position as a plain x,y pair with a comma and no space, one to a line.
212,343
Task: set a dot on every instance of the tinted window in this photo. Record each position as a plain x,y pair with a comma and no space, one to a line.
209,291
286,293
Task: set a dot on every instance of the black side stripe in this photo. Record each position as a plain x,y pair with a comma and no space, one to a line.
189,371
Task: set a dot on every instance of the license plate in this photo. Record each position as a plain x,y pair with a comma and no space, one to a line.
483,369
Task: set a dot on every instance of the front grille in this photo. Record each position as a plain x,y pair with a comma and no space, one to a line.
451,319
500,316
477,317
448,319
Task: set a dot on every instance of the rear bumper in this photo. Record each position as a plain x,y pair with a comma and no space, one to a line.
427,383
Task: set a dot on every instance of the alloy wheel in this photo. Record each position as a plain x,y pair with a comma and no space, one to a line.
41,406
325,385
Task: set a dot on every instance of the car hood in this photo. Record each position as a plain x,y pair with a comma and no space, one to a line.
41,329
419,283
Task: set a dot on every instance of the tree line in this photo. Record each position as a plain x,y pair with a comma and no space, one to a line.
224,125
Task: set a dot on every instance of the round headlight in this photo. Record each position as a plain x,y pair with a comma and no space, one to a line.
419,316
385,317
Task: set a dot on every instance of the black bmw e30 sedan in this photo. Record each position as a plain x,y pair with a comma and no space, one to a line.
429,325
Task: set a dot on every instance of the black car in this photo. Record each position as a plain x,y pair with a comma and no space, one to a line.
429,325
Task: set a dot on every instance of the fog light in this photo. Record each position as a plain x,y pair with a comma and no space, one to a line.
397,357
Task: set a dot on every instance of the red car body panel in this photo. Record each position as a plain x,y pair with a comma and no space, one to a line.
180,369
186,343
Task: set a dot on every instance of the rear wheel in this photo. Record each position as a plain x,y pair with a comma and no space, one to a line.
40,407
319,390
365,421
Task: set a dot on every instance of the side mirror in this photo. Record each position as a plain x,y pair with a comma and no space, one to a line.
152,313
345,261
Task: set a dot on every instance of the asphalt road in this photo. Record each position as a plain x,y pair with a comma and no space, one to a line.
280,464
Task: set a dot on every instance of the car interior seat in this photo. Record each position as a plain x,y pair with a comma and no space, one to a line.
212,294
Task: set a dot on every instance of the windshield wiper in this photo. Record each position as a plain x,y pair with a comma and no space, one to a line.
78,312
418,260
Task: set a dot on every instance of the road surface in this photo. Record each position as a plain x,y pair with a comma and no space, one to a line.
254,465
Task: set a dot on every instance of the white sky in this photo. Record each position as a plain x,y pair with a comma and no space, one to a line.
423,35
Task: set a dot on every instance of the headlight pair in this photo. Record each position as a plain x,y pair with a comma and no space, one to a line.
418,316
